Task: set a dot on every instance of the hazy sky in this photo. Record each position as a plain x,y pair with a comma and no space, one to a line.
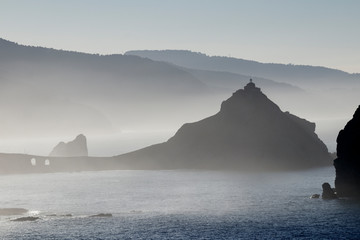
314,32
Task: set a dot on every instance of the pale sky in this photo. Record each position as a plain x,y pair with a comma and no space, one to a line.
310,32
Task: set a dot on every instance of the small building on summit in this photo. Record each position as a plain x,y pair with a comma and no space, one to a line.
251,87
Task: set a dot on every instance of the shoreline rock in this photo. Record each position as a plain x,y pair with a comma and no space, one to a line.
347,163
328,192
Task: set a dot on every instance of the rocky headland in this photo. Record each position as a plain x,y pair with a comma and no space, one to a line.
250,132
347,163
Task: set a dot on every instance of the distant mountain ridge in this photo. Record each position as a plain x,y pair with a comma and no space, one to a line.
101,94
47,92
288,73
87,91
228,80
323,89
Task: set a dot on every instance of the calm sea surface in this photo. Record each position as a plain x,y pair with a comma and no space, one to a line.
176,205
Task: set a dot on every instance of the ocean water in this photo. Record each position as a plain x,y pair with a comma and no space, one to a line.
179,204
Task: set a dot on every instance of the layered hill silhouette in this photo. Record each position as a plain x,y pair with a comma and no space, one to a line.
329,95
98,94
299,75
46,92
250,132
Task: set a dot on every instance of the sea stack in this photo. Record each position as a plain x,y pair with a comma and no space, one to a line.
347,163
75,148
250,132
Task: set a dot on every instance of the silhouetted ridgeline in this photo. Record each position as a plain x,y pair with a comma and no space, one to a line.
296,74
100,94
249,133
322,86
231,81
105,94
88,92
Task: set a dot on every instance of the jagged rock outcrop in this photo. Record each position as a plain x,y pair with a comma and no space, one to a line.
328,192
249,133
347,163
75,148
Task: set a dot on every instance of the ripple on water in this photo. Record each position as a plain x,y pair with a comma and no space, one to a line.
179,205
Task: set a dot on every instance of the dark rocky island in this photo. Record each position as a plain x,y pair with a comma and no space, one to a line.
75,148
347,163
249,133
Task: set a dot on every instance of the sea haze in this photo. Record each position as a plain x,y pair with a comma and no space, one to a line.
136,120
176,205
48,94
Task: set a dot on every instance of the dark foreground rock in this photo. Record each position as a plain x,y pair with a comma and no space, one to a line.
12,211
249,133
24,219
347,163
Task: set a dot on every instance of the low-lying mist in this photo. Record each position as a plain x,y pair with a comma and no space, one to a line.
123,102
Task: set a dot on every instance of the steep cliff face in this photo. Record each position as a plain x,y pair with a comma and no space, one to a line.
249,133
347,164
75,148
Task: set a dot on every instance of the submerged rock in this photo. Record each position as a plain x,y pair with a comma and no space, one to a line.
102,215
12,211
51,215
24,219
75,148
347,163
63,215
315,196
328,192
136,211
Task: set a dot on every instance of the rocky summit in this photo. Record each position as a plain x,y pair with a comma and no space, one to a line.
75,148
250,132
347,163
